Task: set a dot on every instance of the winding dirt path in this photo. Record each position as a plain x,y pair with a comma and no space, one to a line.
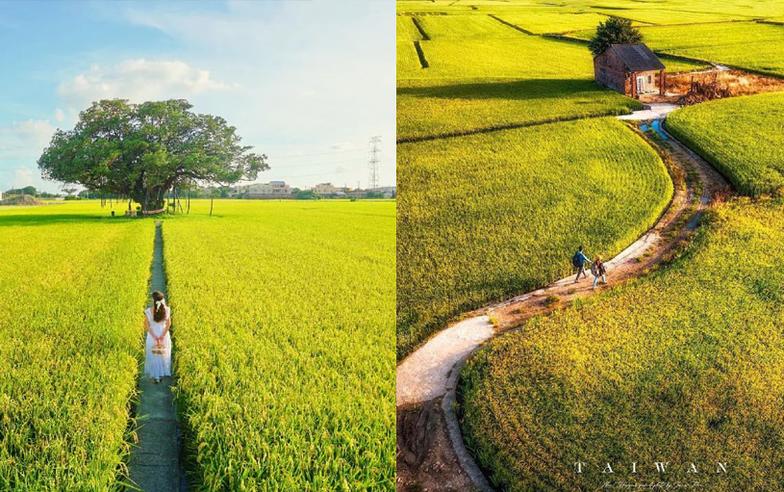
431,453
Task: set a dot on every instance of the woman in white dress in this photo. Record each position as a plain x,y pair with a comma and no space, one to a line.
157,321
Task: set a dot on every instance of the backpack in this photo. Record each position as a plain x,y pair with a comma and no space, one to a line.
577,260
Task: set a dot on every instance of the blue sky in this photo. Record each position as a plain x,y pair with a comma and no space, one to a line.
306,82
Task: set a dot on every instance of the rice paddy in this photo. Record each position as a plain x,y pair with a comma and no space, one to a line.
742,137
684,366
284,343
72,289
485,216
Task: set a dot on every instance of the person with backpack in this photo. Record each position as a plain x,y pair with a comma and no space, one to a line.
579,260
598,270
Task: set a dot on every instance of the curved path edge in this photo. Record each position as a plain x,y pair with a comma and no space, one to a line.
448,406
433,370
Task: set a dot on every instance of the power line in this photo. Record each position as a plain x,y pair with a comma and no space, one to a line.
373,163
283,166
315,153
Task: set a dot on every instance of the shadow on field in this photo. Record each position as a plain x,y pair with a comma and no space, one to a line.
514,90
27,219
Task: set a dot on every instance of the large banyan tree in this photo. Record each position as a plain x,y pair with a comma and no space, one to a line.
142,151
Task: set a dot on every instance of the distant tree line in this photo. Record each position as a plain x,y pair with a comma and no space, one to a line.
30,191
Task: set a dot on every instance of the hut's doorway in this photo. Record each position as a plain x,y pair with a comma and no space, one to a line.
640,84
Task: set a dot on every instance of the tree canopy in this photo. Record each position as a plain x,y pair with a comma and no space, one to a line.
613,31
143,150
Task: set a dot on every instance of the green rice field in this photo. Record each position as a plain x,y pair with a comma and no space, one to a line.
283,343
684,366
72,289
486,216
752,46
742,137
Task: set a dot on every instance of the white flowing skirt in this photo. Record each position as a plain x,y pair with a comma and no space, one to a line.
157,365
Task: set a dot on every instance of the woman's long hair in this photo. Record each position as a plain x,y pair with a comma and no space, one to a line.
158,306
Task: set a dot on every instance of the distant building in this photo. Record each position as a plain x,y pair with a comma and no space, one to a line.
631,69
387,191
325,189
273,189
1,195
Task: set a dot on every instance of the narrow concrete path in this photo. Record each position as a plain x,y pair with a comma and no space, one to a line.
652,111
430,366
155,464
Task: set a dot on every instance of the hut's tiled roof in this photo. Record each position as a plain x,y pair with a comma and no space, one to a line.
636,57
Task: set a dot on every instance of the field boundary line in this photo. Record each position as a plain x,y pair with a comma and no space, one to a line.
513,26
419,28
499,128
421,55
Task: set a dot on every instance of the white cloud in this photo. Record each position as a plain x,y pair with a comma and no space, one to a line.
24,138
21,143
59,115
138,80
22,177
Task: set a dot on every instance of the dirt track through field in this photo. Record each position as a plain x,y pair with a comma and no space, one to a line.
155,463
431,453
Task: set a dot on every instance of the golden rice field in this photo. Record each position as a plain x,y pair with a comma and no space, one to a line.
72,289
682,366
284,337
283,334
486,216
743,137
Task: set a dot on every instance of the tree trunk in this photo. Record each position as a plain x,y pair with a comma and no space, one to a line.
150,200
153,203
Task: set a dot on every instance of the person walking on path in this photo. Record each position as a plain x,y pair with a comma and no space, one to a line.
598,270
157,321
579,260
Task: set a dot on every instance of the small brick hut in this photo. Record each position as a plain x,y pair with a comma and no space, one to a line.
631,69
